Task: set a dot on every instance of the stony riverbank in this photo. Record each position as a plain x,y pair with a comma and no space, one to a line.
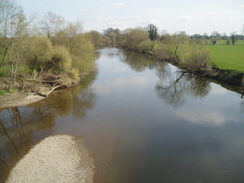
59,158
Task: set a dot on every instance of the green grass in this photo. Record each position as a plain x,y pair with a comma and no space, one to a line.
228,57
8,91
2,93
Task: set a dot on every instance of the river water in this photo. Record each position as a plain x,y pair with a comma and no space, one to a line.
142,120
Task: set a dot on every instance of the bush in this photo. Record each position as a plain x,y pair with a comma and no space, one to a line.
161,51
83,55
134,37
61,58
198,59
38,52
145,46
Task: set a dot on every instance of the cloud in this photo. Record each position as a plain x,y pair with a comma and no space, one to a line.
120,69
223,13
84,10
121,82
218,90
118,5
140,80
242,6
189,19
207,117
185,17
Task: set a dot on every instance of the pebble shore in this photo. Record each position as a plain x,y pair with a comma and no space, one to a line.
57,158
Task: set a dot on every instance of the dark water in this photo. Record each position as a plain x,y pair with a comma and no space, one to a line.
142,120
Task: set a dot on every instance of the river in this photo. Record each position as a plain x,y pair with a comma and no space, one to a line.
142,120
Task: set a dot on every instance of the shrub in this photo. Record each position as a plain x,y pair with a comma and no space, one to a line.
61,58
198,59
83,55
38,52
161,51
134,37
145,46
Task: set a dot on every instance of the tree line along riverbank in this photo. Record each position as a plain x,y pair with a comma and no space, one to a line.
210,56
53,53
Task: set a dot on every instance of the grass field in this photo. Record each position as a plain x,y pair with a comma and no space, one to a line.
228,57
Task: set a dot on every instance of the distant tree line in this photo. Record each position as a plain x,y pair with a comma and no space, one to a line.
51,50
175,47
188,51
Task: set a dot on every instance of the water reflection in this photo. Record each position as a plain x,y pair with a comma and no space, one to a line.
137,62
176,87
23,127
242,105
196,135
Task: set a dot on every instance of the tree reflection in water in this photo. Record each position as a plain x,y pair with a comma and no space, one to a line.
137,62
242,105
23,127
176,87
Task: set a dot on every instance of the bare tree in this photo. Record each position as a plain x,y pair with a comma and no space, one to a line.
52,24
12,25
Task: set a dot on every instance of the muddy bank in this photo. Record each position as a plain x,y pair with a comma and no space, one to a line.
58,158
227,76
24,98
18,99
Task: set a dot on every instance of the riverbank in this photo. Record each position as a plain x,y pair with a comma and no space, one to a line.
19,98
59,158
227,76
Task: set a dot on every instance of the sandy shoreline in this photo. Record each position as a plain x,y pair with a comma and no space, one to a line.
23,98
18,99
58,158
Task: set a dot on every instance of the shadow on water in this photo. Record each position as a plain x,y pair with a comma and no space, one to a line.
23,127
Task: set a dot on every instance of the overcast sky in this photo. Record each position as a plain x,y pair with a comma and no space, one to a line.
191,16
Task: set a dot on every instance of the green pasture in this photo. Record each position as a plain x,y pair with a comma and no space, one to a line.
229,57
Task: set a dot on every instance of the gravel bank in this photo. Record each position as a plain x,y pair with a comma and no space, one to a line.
55,159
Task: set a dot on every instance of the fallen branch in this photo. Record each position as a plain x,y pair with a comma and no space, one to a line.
45,94
54,88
